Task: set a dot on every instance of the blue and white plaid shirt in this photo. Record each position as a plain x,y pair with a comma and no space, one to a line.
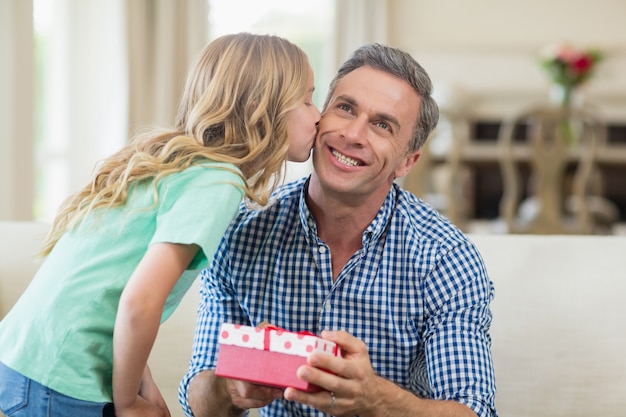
417,293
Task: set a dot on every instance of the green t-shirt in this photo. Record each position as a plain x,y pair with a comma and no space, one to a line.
60,332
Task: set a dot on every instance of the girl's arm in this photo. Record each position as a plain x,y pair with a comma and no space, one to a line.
138,319
149,390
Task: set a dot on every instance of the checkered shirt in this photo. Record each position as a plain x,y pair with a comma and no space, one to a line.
416,292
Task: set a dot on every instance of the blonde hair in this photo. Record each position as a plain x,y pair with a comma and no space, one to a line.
233,109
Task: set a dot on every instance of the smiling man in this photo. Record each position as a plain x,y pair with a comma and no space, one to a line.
348,255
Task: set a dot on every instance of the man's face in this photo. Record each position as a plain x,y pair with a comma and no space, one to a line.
364,134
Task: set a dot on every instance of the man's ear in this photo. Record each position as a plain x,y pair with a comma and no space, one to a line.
408,163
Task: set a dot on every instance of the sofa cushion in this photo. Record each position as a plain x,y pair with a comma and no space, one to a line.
559,319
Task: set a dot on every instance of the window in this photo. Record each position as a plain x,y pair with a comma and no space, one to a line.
81,87
80,95
310,25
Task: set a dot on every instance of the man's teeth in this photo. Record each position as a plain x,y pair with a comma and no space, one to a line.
345,160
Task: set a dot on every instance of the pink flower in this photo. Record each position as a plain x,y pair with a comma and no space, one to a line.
567,54
581,64
569,66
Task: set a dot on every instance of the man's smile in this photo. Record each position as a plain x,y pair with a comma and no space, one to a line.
345,160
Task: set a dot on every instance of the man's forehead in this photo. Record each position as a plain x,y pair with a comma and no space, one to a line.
367,80
379,91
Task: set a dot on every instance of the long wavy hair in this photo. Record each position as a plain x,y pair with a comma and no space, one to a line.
233,109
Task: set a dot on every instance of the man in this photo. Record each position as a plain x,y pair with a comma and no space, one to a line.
348,255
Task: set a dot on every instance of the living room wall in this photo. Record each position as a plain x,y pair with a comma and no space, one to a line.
486,52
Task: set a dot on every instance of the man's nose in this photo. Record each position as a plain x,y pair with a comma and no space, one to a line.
355,129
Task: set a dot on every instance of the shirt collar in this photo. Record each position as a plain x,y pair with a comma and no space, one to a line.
306,217
373,231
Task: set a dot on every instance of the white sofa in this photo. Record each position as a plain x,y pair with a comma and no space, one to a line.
559,329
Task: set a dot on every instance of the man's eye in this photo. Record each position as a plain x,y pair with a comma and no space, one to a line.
344,107
384,125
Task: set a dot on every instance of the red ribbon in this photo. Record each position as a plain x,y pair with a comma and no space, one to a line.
267,329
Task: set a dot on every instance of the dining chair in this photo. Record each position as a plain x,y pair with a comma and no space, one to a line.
547,161
440,183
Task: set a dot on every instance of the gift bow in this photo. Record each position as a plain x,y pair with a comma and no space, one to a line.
267,329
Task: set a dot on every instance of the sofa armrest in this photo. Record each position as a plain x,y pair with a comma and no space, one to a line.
19,244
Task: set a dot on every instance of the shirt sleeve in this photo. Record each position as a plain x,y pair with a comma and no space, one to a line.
218,304
457,341
196,206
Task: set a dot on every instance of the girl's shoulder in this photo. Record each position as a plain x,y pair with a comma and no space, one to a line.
207,171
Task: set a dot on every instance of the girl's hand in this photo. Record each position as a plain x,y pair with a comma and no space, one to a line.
142,408
151,393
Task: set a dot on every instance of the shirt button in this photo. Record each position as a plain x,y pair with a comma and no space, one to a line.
322,249
327,306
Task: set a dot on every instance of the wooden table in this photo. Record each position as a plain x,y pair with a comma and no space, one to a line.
485,152
481,158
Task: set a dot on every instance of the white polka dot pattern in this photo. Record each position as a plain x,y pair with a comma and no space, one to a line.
275,340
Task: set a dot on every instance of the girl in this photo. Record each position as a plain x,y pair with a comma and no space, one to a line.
123,251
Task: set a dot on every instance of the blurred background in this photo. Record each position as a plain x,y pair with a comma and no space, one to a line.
78,77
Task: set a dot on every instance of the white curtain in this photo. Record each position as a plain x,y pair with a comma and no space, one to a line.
110,67
84,90
16,110
359,22
164,37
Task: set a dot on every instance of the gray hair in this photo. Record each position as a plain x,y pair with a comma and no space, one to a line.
399,63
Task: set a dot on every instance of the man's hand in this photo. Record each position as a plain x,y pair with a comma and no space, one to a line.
350,384
246,395
351,387
213,396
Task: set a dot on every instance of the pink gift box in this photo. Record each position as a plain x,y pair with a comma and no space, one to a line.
268,356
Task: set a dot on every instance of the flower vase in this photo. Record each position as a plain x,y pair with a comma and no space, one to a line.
566,97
